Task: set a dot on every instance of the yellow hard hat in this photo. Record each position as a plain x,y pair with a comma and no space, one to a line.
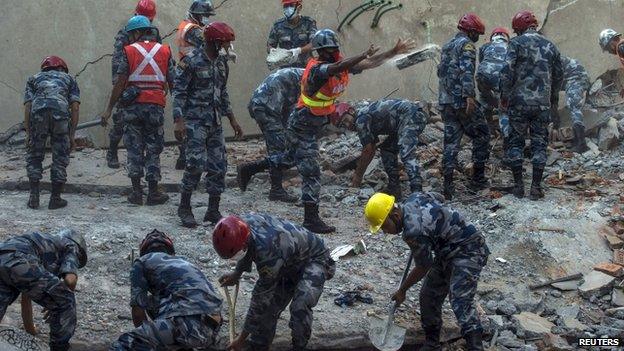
377,210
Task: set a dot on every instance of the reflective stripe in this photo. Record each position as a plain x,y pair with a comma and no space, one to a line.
314,103
148,59
321,96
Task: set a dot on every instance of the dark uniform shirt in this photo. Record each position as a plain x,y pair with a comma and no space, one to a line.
381,118
285,36
279,92
52,89
574,74
456,71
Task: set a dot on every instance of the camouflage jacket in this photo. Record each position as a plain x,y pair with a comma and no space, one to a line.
456,71
55,90
180,288
383,117
285,36
280,249
532,74
279,92
200,88
491,61
121,41
57,254
574,74
430,227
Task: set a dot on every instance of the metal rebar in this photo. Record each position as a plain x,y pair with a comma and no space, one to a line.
389,3
344,20
368,7
397,7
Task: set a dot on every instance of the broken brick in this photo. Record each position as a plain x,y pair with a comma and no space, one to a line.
590,193
618,227
611,269
618,257
614,242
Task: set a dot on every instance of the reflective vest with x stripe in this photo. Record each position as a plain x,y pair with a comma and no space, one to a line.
323,102
149,63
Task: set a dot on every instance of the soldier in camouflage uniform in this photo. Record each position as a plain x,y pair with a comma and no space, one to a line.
43,268
530,84
449,253
271,104
200,100
575,84
145,8
293,264
51,99
293,32
189,308
491,61
402,121
460,112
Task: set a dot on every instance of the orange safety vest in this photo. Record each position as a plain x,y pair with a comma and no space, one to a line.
323,101
184,47
149,63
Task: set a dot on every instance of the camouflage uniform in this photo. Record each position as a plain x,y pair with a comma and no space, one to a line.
530,82
284,35
122,40
200,96
455,251
271,104
34,265
491,61
293,264
144,134
456,73
187,301
402,121
51,94
575,84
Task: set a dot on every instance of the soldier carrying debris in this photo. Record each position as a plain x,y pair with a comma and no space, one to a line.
293,264
145,8
188,308
402,121
325,79
200,99
530,84
294,33
270,106
460,111
51,110
44,269
449,254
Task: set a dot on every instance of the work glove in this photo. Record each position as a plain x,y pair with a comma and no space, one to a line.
294,55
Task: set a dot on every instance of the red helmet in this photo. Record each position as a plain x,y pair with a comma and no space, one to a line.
291,2
470,22
156,238
230,236
219,31
53,62
523,20
500,30
146,8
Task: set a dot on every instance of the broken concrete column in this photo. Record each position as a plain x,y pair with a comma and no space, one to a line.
609,135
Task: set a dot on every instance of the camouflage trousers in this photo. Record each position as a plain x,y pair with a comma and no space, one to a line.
302,292
302,150
115,135
205,152
404,145
457,278
273,128
23,273
535,121
175,333
575,98
46,124
489,98
456,123
144,137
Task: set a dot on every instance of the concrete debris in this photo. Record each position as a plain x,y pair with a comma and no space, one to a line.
555,342
617,298
531,326
611,269
596,284
13,339
609,135
569,285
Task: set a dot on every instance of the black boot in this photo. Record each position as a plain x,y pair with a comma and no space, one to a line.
580,146
136,196
449,189
247,170
478,181
184,211
432,341
60,347
277,192
518,189
55,198
536,186
312,221
474,340
33,200
181,161
212,213
111,157
155,196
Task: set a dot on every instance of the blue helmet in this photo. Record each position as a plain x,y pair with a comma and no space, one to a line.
138,22
325,38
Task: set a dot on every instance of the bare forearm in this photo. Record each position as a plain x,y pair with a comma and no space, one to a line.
75,117
345,64
27,315
365,159
138,316
306,49
374,61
